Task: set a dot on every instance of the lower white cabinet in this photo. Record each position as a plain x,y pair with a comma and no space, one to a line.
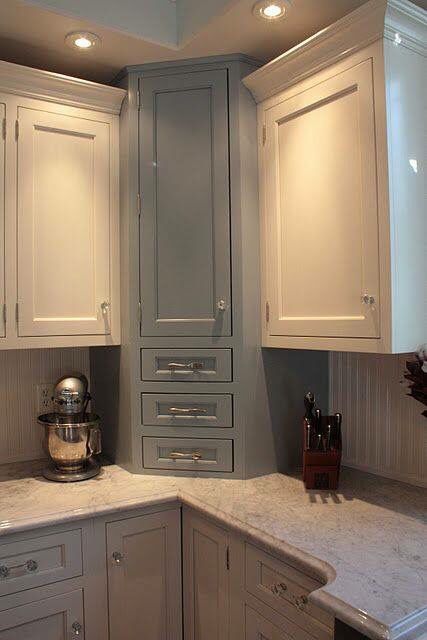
57,618
206,579
144,577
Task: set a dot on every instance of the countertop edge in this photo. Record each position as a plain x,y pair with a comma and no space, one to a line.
409,628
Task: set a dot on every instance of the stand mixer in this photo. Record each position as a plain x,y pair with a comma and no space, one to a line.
71,435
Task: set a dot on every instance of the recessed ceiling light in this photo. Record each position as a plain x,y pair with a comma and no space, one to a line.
270,9
82,40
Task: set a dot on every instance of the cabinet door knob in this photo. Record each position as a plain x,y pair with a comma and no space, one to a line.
368,299
4,571
221,305
301,602
118,557
105,307
76,628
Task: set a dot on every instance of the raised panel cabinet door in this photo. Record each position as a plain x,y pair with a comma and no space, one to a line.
206,579
2,220
321,219
63,224
57,618
185,220
144,577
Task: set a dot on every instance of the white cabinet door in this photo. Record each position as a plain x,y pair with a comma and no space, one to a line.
206,579
144,577
2,220
321,222
63,224
56,618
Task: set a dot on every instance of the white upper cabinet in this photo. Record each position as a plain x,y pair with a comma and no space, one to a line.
59,268
63,225
343,200
2,219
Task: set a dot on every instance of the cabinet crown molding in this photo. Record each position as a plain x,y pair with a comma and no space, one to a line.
55,87
372,21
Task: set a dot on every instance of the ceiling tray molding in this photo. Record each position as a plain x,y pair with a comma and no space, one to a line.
372,21
54,87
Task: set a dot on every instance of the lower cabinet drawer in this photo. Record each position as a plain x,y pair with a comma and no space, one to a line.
57,618
187,410
258,628
286,590
39,561
188,454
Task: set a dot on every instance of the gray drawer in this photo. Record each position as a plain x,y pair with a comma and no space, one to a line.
187,410
39,561
188,454
191,365
285,589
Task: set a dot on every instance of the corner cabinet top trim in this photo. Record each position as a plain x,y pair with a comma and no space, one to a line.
55,87
373,20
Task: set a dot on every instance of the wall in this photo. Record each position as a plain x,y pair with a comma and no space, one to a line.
383,429
20,372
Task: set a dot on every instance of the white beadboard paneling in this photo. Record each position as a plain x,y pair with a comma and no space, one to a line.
20,373
383,429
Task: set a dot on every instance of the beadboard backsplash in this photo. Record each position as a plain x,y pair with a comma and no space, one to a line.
20,373
383,429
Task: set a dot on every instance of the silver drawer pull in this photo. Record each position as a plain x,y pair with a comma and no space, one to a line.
180,455
30,565
188,366
184,411
301,602
76,628
279,589
221,305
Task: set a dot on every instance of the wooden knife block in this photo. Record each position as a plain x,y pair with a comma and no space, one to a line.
321,469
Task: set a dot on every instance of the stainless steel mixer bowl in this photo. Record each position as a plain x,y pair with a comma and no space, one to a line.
70,444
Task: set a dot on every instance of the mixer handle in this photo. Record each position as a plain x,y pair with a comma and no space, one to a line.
94,443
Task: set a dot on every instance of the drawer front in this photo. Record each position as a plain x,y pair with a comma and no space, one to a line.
285,589
39,561
190,365
258,628
188,454
187,410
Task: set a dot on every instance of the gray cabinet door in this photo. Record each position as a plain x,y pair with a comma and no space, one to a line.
185,221
56,618
144,577
206,579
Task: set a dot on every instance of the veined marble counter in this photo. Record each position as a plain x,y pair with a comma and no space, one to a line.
368,541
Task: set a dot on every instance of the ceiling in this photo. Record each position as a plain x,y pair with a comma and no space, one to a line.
139,31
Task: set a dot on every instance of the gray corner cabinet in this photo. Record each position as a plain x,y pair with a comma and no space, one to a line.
163,572
187,391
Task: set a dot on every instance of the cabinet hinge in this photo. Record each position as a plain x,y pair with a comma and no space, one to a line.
17,313
267,312
4,314
138,99
227,558
138,204
140,312
16,129
3,128
264,134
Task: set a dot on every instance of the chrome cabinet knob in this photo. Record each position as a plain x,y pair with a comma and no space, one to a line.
279,589
118,557
368,299
221,305
4,571
105,307
301,602
76,628
31,566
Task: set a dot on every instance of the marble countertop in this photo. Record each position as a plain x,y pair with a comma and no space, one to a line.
367,542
